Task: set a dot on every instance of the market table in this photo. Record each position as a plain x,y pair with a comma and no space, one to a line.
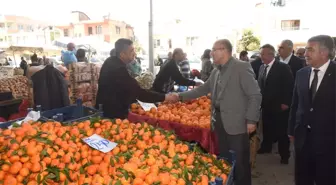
203,136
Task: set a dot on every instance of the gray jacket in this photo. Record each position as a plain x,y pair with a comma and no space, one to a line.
239,98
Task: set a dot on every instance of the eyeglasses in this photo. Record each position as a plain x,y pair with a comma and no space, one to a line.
215,49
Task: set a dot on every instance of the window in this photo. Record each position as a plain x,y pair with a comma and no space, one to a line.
290,25
191,41
158,42
117,30
90,30
20,27
99,29
66,32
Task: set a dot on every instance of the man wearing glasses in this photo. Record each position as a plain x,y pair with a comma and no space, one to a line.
236,103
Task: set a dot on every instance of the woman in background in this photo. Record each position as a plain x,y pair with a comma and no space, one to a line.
207,66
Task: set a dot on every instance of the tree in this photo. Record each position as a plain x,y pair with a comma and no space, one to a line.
248,42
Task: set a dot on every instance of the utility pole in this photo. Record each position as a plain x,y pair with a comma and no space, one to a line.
150,43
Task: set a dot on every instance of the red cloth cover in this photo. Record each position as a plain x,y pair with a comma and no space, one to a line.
2,119
203,136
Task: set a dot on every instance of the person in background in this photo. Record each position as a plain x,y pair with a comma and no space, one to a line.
207,66
286,56
24,66
185,67
243,56
69,56
34,60
134,68
236,99
80,55
117,90
312,116
170,56
276,84
169,73
300,54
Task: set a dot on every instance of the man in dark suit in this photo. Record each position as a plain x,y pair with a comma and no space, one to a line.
312,117
256,66
117,90
276,84
286,56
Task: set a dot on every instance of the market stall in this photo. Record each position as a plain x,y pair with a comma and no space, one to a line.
92,150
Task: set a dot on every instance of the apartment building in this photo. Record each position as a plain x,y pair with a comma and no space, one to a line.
105,30
20,30
297,20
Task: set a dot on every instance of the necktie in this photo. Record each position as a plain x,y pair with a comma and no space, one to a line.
263,78
313,87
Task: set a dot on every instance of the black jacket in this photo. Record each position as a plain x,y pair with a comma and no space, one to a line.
319,113
295,63
117,90
169,73
256,66
50,88
278,87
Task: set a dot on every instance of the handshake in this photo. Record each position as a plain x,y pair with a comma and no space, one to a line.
172,98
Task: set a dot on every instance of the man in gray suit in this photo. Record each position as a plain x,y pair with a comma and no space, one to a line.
236,100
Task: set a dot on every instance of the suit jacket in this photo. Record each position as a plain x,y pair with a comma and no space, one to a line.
319,113
256,66
239,97
295,64
278,88
117,90
50,88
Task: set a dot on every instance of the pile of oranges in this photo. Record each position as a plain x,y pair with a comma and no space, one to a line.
194,113
52,153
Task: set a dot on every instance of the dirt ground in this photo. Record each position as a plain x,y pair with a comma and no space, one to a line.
269,171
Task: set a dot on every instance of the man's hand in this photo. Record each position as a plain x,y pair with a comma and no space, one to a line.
291,138
284,107
172,97
251,128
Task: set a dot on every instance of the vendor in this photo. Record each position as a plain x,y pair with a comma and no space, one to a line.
170,73
117,90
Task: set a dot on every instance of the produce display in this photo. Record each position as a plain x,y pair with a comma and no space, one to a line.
83,82
51,153
6,72
194,113
18,85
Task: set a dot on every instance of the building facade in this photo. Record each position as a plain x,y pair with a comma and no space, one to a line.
105,30
19,30
297,20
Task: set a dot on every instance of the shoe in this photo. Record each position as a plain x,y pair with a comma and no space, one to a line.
284,161
262,151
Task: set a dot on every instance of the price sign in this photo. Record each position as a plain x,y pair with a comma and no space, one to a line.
146,106
99,143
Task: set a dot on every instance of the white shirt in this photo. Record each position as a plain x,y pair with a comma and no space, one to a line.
286,61
320,74
269,66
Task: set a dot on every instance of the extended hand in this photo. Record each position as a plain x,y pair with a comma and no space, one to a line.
172,97
284,107
251,128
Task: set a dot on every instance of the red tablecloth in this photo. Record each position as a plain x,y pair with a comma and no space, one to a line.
204,137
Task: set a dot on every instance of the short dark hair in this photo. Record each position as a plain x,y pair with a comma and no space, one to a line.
325,41
227,44
112,53
121,45
80,53
243,53
177,50
268,46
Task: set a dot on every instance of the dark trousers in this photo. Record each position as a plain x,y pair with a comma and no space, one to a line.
275,130
312,167
241,146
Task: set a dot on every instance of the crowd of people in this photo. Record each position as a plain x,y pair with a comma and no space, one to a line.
293,98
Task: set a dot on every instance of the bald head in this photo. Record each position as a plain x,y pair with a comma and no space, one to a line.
300,52
71,46
178,55
226,43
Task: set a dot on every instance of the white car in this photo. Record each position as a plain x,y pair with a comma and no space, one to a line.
195,62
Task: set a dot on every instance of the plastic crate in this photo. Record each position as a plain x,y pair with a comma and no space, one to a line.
5,125
231,158
73,113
